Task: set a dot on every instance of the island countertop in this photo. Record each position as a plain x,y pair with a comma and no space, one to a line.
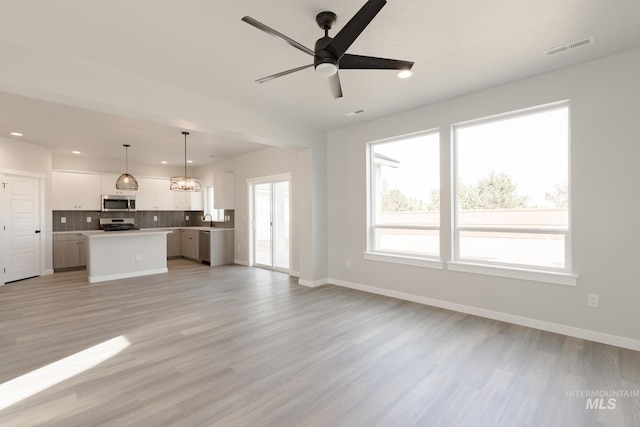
93,234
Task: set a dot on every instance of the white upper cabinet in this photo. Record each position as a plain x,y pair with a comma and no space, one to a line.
75,191
180,200
154,195
108,185
224,193
187,200
82,191
196,201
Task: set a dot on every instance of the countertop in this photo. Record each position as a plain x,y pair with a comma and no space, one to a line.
89,232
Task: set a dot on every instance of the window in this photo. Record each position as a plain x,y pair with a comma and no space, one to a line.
511,187
404,202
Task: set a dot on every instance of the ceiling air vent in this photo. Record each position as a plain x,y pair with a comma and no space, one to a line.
355,113
570,46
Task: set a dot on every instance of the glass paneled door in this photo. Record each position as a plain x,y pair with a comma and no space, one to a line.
271,219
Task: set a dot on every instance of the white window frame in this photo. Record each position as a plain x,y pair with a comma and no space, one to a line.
374,254
527,272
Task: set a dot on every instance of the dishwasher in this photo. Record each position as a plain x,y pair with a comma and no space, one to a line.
205,247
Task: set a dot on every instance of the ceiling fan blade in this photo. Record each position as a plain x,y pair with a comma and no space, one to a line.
259,25
282,73
334,85
350,32
359,62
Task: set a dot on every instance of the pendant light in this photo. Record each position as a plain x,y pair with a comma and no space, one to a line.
185,183
126,181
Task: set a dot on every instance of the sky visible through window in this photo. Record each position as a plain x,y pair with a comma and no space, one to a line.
532,149
419,165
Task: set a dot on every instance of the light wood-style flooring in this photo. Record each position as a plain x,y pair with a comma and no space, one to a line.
240,346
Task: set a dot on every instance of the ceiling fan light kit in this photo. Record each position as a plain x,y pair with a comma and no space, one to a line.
330,53
125,181
185,183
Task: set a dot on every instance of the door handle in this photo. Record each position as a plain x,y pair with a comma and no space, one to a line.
37,231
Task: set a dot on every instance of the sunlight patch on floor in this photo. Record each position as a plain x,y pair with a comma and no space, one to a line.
29,384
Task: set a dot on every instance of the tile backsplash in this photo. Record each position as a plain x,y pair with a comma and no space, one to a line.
89,220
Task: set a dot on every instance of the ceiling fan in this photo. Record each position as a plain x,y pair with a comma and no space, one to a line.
330,53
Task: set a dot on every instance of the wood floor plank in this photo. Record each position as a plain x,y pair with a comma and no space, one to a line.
239,346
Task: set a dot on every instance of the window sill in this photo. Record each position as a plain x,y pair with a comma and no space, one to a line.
405,260
515,273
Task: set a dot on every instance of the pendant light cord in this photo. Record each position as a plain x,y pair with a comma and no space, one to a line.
185,152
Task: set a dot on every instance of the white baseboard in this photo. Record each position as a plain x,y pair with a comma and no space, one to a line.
571,331
294,274
241,262
47,272
312,284
96,279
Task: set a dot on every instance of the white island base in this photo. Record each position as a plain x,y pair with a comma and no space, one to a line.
122,254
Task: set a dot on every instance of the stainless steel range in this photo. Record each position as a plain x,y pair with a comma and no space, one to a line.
118,224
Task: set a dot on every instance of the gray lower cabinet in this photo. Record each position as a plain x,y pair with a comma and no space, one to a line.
69,251
174,244
186,243
190,244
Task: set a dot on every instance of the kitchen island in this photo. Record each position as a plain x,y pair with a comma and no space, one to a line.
122,254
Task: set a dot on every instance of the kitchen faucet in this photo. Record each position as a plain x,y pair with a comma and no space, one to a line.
204,218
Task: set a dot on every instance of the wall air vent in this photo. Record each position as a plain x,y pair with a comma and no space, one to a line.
355,113
570,46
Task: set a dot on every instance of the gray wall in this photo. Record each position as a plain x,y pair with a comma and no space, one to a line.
271,161
605,150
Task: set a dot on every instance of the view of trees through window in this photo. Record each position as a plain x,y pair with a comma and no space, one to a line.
510,189
405,176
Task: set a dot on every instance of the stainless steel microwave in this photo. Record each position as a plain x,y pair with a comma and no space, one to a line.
111,203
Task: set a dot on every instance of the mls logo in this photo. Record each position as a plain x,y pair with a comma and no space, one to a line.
599,403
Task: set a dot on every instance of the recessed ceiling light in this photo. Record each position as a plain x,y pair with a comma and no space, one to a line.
164,162
405,74
16,134
75,152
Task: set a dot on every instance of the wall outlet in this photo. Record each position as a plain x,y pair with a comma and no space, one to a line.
155,218
186,218
593,300
88,219
348,263
138,257
63,220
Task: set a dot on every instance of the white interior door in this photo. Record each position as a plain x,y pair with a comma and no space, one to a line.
271,210
20,227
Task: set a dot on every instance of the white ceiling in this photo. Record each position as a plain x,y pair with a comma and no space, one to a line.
201,47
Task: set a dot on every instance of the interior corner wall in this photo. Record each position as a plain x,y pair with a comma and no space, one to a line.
266,162
604,100
313,217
